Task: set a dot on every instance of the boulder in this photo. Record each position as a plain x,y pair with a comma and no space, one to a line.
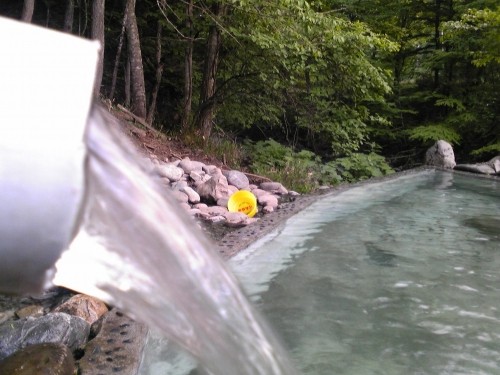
213,189
237,178
54,327
117,348
440,155
170,171
268,200
33,311
180,196
190,165
43,359
273,187
88,308
491,167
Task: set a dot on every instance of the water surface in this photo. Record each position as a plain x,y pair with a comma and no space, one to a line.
399,277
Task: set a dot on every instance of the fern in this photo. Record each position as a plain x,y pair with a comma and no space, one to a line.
434,132
490,149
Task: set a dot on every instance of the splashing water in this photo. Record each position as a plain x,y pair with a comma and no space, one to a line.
138,251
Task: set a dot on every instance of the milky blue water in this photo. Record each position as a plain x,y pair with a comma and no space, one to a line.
398,277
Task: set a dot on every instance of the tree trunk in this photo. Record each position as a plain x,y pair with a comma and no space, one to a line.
138,88
28,9
118,55
188,68
208,87
97,33
127,83
68,16
159,73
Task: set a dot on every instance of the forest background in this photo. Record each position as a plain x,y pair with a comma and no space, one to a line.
305,92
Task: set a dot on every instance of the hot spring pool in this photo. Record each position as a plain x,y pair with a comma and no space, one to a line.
396,277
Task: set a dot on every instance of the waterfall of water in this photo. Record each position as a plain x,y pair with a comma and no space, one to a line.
138,251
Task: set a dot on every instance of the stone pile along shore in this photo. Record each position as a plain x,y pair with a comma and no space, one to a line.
61,332
204,190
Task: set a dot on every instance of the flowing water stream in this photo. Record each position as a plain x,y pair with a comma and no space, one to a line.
138,251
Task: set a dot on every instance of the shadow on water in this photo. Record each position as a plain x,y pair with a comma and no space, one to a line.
486,225
379,256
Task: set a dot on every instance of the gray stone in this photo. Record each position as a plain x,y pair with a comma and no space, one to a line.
237,178
222,202
440,155
267,209
236,219
212,169
259,192
54,327
190,165
40,359
170,171
215,210
199,177
481,168
34,311
216,219
117,348
179,196
213,189
268,200
193,196
273,187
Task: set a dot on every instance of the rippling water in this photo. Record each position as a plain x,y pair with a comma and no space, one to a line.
401,277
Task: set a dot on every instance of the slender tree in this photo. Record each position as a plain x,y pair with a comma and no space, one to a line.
137,85
206,110
97,33
188,67
158,75
28,9
68,16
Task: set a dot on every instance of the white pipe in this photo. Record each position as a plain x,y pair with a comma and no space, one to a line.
46,80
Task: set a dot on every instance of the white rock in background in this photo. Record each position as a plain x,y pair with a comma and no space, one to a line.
190,165
268,200
169,171
440,155
273,187
237,178
179,196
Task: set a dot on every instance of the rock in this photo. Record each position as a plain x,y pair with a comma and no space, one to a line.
169,171
215,210
186,206
117,348
180,196
481,168
216,219
440,155
211,170
259,192
34,311
237,178
223,202
54,327
200,206
236,219
268,200
495,164
213,189
199,177
40,359
273,187
232,189
193,196
267,209
88,308
190,165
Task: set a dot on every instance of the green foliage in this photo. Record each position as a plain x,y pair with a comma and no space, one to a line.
434,132
357,166
304,171
488,150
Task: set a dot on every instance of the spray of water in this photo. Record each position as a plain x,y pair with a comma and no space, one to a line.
137,250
